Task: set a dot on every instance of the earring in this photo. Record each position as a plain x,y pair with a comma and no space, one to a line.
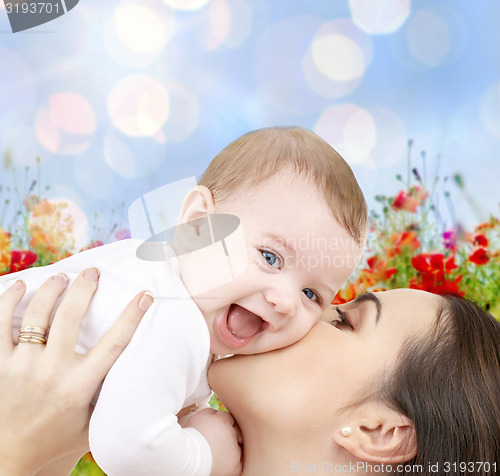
346,431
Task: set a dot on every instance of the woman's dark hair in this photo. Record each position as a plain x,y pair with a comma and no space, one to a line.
449,386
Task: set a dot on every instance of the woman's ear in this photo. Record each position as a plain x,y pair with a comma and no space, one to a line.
199,202
379,434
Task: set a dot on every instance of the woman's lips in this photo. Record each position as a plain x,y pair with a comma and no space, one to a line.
240,326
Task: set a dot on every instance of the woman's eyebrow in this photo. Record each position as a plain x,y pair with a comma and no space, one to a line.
373,298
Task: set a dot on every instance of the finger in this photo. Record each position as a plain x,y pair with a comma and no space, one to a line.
104,354
226,416
38,311
8,302
211,411
70,312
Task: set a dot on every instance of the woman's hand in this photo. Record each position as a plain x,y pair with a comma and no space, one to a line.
46,390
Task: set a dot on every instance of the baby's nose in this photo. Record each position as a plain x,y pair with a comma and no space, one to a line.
282,301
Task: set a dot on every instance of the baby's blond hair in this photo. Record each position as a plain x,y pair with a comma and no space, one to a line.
257,155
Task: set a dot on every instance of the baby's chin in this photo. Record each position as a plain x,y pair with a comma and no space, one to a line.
224,351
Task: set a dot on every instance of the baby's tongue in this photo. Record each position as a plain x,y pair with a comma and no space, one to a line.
241,322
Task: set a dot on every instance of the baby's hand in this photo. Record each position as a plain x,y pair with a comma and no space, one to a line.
220,430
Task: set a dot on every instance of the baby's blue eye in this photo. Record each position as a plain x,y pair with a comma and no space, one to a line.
272,259
310,294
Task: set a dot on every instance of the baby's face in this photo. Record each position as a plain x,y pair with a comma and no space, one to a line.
298,258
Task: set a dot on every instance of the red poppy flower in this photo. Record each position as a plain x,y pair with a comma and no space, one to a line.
432,262
411,199
443,287
480,240
479,256
21,259
403,201
402,242
346,294
377,271
432,268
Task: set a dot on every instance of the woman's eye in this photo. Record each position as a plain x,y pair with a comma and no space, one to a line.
271,259
310,294
343,321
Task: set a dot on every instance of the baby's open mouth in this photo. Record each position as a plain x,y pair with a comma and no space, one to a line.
241,326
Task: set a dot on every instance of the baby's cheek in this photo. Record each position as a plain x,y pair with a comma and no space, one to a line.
317,318
302,330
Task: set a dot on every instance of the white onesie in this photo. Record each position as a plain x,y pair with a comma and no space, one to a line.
134,429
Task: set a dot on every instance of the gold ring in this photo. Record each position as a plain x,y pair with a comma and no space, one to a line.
33,330
32,339
32,335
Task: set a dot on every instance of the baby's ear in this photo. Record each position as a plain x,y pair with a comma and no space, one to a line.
198,203
378,434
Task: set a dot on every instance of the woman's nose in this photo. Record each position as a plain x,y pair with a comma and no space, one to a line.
282,301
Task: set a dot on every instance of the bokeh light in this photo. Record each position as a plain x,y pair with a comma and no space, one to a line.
66,124
337,58
139,28
72,113
186,4
218,25
138,105
428,38
350,130
375,138
379,16
116,98
489,109
136,35
47,130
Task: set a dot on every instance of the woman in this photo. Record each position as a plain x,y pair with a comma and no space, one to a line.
400,380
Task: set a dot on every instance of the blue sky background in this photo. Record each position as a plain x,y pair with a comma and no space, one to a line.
120,97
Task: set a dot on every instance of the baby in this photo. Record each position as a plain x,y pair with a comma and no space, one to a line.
286,221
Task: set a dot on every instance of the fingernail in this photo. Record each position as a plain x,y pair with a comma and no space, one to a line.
146,300
19,284
61,277
92,274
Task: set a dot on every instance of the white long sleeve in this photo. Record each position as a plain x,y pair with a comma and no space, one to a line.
159,361
134,430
